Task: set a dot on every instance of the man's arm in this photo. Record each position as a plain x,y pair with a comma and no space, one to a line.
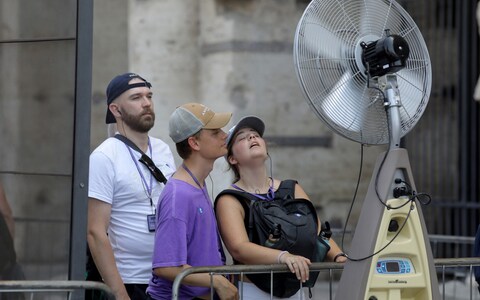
224,288
100,247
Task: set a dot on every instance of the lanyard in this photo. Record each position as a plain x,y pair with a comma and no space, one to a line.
197,182
205,193
144,159
148,188
270,194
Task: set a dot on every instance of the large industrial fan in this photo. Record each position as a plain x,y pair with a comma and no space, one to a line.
365,71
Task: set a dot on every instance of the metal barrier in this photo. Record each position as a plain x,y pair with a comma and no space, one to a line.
458,246
241,270
465,264
462,266
45,286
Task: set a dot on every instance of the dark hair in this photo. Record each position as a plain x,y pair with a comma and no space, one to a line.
183,148
234,168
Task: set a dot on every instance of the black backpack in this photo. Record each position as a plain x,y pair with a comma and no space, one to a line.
298,225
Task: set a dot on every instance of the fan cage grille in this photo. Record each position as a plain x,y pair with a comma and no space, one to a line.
327,56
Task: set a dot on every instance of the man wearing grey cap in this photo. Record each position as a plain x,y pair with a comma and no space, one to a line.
186,234
127,175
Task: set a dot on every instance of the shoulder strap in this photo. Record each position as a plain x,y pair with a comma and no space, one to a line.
286,190
246,200
128,142
144,159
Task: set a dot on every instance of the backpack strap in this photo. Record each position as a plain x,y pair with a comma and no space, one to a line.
242,197
144,159
246,200
286,190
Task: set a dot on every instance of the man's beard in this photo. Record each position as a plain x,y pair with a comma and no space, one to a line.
137,124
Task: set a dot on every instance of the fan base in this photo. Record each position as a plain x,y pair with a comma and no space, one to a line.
405,268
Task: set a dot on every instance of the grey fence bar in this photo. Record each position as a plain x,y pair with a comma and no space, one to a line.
54,286
441,265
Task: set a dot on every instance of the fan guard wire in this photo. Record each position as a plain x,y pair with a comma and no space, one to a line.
328,63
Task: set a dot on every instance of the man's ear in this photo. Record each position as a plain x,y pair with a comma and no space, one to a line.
115,110
193,143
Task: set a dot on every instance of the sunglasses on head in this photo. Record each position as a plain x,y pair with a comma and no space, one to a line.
157,174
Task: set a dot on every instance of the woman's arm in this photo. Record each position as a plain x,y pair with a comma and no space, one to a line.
335,254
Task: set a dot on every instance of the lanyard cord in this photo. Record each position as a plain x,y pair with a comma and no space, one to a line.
205,193
270,194
146,187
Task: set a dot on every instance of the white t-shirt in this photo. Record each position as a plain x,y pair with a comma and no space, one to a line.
115,178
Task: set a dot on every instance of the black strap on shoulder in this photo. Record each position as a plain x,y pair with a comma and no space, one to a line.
144,159
128,142
286,190
244,198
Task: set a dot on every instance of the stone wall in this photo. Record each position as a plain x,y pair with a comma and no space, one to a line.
37,67
232,56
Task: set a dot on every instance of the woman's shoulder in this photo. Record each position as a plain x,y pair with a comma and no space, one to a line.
232,195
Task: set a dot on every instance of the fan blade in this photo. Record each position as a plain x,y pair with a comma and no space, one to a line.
374,17
363,118
319,42
340,95
364,18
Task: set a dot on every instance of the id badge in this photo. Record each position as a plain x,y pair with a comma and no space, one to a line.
151,223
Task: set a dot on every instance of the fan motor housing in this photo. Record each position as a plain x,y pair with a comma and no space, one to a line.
386,55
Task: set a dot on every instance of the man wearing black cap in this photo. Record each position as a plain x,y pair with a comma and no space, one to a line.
126,177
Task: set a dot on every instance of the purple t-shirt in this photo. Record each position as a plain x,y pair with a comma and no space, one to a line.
186,234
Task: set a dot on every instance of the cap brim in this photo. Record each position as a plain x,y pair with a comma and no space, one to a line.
251,122
218,121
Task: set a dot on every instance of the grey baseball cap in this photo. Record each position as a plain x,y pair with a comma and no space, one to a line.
190,118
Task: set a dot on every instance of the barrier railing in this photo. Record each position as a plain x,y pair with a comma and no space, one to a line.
458,246
331,269
45,286
441,265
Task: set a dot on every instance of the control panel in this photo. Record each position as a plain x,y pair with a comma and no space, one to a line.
394,265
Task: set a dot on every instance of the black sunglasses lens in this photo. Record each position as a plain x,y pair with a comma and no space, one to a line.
147,161
144,159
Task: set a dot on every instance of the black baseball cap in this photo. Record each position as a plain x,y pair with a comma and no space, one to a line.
250,121
118,86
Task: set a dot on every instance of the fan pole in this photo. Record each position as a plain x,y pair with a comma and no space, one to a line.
402,267
388,84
